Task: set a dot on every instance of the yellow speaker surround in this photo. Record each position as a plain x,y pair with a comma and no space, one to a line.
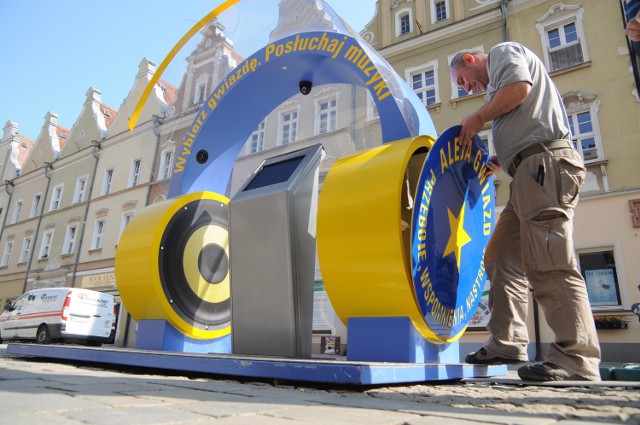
172,264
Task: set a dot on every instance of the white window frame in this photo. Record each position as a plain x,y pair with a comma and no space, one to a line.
26,248
455,90
135,172
255,143
125,219
81,189
434,17
409,73
579,103
107,182
6,255
291,122
200,92
45,245
558,16
56,197
70,239
98,233
407,11
331,114
35,204
488,136
166,163
17,209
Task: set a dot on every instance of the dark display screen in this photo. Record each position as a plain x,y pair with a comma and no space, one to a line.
277,172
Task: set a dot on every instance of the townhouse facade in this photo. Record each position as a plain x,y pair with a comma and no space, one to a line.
80,187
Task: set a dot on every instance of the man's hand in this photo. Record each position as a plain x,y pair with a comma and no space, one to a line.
633,28
471,125
493,166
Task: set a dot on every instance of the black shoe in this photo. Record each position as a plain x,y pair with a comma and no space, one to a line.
480,357
547,372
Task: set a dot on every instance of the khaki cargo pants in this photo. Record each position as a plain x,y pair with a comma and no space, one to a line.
532,244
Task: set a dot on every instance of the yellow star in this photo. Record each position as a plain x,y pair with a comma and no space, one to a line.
459,237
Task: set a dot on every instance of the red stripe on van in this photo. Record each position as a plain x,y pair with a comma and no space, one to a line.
54,313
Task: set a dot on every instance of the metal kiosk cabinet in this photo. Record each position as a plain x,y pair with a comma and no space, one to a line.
272,221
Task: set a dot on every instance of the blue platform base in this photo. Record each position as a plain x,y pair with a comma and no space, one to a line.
394,339
307,370
160,335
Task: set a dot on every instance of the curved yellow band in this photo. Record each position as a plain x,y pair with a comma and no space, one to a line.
137,269
165,63
364,217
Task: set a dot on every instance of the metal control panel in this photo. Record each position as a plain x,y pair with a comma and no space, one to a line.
273,250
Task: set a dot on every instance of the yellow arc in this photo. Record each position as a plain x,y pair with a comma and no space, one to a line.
165,63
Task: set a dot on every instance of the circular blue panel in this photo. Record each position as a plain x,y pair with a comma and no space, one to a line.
452,222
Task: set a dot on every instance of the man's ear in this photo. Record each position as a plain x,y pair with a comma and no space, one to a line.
469,58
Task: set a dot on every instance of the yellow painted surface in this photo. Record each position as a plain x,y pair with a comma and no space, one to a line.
364,261
138,273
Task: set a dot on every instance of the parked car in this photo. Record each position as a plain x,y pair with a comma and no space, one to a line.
65,314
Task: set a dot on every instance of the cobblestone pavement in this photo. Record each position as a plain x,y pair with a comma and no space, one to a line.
36,391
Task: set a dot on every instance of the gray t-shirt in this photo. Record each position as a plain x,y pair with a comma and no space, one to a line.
541,117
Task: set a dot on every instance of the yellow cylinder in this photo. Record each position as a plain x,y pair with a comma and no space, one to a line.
172,264
364,227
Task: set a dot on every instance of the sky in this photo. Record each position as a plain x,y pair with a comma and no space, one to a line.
53,51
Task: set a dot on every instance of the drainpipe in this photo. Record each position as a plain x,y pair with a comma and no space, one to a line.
95,145
47,166
503,9
7,184
157,122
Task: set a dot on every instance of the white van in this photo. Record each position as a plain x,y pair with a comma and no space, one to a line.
67,314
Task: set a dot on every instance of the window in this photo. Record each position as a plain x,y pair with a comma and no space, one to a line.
424,82
201,93
256,140
598,267
562,36
134,173
56,198
26,247
16,211
166,163
439,10
98,233
7,254
404,21
70,239
47,237
106,183
487,138
126,218
372,108
582,110
81,187
35,205
582,135
326,115
458,92
288,127
405,24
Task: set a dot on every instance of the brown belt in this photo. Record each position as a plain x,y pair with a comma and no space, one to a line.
537,148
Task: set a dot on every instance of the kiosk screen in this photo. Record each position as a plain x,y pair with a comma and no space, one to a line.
274,173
